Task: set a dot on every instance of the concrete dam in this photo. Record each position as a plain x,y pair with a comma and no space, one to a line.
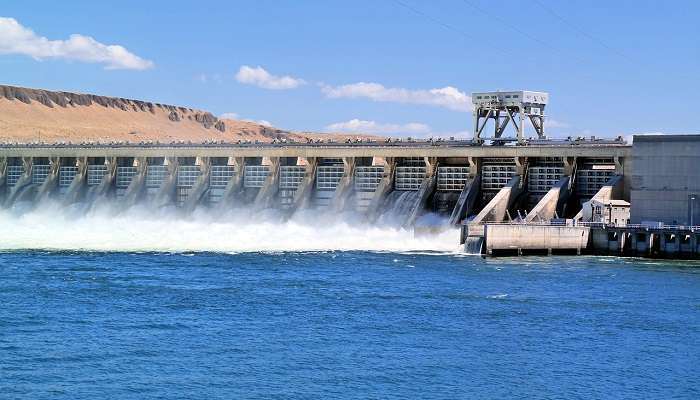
395,182
507,194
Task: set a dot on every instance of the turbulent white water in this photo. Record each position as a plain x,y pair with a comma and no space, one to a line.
51,227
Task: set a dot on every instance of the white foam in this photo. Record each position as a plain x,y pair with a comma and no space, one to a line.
50,227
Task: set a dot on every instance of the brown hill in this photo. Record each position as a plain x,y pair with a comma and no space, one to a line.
35,115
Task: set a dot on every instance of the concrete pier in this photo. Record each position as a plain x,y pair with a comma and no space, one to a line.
466,201
101,179
166,194
45,176
497,209
77,185
523,238
193,183
646,241
551,204
345,187
19,179
131,177
226,181
385,186
266,195
427,188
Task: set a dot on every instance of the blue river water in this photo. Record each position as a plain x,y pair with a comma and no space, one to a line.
346,325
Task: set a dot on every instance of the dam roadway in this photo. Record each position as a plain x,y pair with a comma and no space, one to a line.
362,149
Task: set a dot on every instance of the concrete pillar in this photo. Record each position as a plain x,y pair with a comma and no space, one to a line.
653,237
267,193
496,209
3,179
200,187
474,167
466,200
670,243
427,188
167,193
569,166
137,186
621,241
76,190
550,204
431,164
22,184
520,165
303,193
385,186
50,184
235,184
345,187
521,170
619,166
105,189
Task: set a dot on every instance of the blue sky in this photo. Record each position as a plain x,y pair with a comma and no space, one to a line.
611,68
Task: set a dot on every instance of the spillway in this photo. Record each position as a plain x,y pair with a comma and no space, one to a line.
381,183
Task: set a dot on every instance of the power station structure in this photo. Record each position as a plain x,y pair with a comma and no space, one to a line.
518,196
454,179
515,109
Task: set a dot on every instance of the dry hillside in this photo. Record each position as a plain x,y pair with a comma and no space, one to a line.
31,115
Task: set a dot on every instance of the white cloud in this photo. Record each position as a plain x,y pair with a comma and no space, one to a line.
17,39
235,116
258,76
448,97
206,78
362,126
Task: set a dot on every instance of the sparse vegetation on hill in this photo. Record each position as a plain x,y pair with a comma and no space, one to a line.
36,115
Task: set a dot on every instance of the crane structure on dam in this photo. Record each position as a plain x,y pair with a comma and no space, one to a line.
514,108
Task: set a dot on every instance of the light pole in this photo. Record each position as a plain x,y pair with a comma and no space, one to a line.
691,207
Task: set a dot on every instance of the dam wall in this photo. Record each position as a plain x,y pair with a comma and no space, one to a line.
397,183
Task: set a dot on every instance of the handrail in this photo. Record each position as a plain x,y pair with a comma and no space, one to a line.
574,223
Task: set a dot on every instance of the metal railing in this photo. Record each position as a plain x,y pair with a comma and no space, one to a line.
602,225
330,143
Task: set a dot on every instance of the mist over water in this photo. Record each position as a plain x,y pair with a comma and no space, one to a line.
51,226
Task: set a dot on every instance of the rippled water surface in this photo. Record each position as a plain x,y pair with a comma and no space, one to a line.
346,325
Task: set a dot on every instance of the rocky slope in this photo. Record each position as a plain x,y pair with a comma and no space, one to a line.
31,115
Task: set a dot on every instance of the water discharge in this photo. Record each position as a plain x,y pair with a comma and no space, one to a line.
52,227
398,206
